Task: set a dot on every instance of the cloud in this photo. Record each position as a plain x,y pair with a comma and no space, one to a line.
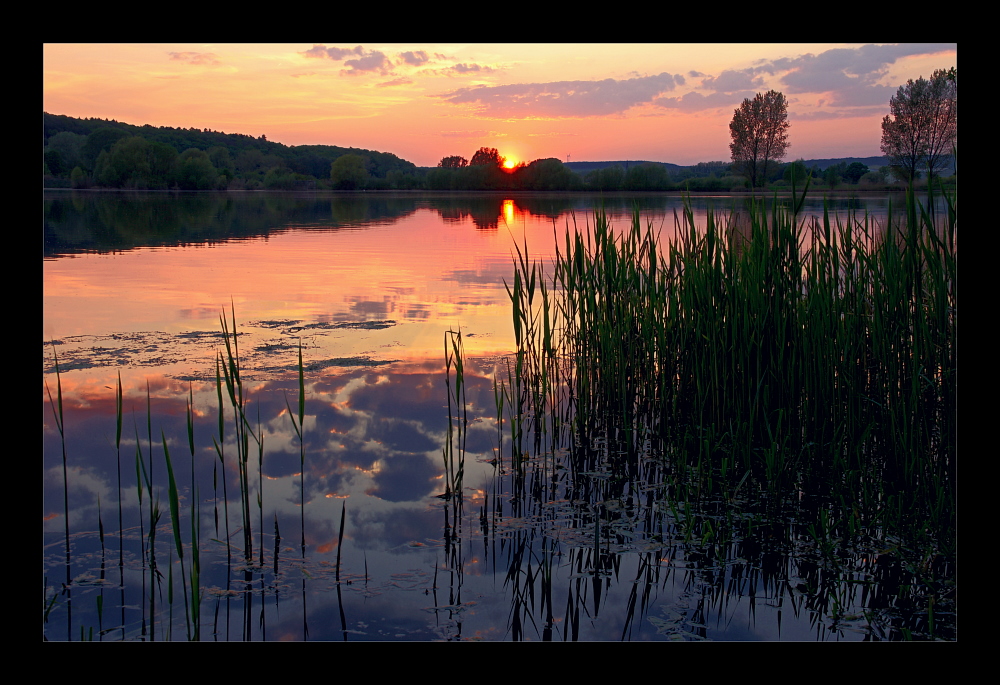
370,62
563,98
415,57
847,77
730,80
696,102
209,58
401,81
820,115
478,133
361,62
471,68
337,54
851,75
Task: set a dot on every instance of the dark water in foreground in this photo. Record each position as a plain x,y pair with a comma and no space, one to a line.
135,284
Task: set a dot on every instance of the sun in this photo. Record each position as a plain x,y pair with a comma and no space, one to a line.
509,163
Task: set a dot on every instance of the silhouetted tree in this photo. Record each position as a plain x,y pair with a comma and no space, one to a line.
487,156
760,135
453,162
854,172
922,128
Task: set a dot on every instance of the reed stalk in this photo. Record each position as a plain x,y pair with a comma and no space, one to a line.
299,426
59,416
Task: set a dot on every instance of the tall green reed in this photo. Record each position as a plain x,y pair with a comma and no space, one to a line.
759,345
243,430
453,451
299,427
59,416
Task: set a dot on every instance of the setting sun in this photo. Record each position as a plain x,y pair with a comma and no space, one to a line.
509,163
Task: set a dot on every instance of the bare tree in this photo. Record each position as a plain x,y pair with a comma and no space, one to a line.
922,129
760,135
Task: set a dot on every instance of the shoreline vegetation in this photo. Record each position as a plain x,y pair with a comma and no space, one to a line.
759,360
107,154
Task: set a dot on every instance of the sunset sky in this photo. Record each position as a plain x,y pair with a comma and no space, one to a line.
422,102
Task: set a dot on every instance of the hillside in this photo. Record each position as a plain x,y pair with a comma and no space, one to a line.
70,142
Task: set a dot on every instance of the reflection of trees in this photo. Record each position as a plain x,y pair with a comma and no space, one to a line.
120,221
106,221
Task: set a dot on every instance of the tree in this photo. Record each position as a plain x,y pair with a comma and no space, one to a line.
854,172
453,162
194,170
99,141
922,127
760,135
487,156
796,172
831,176
348,172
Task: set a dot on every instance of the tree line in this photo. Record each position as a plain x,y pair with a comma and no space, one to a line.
106,153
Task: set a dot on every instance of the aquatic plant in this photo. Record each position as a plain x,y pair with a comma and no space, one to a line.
759,351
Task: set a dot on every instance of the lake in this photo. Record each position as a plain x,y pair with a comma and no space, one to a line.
368,286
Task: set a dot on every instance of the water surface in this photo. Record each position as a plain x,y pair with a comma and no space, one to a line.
369,284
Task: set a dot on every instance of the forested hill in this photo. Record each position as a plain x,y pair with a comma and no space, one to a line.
238,159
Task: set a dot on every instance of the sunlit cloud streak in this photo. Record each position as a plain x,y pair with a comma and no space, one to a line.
201,58
477,133
563,98
401,81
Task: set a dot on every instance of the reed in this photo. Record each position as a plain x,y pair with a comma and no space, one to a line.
757,349
298,427
59,416
175,522
119,415
244,431
453,451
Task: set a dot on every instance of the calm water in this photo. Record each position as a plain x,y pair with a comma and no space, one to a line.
369,284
